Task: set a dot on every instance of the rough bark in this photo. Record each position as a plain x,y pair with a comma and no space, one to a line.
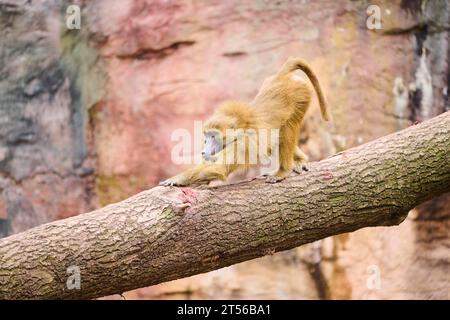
150,238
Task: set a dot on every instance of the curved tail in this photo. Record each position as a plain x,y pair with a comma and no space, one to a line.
299,64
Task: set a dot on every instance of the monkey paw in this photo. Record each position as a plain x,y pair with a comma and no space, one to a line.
172,182
300,167
274,179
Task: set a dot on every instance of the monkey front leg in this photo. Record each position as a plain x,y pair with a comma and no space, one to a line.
202,173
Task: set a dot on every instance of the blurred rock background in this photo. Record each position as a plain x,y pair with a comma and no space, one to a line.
86,118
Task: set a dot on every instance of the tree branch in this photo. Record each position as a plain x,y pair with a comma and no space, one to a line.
169,233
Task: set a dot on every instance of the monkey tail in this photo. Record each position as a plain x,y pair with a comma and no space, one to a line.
299,64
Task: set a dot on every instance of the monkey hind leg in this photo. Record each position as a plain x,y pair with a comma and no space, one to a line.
300,160
278,176
286,161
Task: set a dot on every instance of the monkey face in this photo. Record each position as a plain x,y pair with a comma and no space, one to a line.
213,144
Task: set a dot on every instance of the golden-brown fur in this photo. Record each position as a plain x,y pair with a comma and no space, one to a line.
280,104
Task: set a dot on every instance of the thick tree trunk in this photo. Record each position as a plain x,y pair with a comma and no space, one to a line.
169,233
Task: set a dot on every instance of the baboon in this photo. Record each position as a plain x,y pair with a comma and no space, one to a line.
281,103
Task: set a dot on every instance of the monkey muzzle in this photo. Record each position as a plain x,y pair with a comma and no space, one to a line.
209,152
212,147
